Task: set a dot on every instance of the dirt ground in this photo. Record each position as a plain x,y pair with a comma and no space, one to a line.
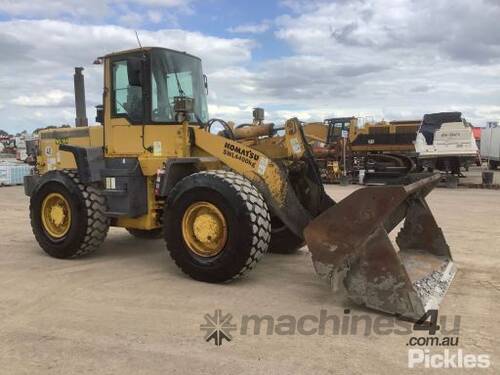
128,310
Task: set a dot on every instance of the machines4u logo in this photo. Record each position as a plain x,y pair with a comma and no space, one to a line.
218,327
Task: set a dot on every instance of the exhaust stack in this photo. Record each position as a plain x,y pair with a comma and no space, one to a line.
80,106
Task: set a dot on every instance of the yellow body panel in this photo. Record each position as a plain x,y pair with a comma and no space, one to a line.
151,219
316,131
247,161
51,158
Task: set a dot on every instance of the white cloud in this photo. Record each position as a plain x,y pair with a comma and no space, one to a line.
51,98
387,59
162,3
35,74
182,6
131,19
92,9
301,6
155,16
458,29
68,43
53,8
393,58
228,111
256,28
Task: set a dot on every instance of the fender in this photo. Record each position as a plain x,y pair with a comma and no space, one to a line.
177,169
89,161
33,183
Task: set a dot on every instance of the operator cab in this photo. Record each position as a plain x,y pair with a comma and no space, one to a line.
338,128
147,84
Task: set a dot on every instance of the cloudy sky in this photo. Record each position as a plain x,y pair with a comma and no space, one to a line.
389,59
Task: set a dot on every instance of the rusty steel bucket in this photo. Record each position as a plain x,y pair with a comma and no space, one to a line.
351,248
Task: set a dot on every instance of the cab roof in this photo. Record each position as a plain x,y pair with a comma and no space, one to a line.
147,49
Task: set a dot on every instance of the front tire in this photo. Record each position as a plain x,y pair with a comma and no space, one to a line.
217,225
67,217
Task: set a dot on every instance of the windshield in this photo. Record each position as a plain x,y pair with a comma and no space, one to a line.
176,74
336,128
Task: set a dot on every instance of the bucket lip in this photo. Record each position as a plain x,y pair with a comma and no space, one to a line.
411,188
447,276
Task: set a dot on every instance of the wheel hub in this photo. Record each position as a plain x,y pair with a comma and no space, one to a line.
56,215
204,229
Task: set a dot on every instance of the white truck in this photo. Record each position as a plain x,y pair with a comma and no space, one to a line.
445,141
490,145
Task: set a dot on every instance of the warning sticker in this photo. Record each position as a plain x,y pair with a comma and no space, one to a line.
296,147
51,164
263,163
110,183
157,148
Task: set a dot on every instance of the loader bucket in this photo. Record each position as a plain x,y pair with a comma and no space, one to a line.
350,246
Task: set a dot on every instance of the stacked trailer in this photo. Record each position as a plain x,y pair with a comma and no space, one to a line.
490,146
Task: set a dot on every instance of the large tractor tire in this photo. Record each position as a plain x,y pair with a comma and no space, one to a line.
67,217
217,225
152,234
283,240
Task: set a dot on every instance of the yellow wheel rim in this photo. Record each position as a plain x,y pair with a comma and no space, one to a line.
56,215
204,229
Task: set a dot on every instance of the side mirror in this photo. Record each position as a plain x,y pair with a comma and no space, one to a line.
205,83
135,69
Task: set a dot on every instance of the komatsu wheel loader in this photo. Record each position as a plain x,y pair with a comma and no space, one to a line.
220,201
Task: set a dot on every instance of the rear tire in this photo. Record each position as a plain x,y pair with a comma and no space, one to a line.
240,207
152,234
283,240
86,206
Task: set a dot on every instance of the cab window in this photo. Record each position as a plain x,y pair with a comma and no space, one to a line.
126,99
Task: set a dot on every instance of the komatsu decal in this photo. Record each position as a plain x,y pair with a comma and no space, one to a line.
239,153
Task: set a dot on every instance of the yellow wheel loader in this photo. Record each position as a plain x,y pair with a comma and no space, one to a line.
158,168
